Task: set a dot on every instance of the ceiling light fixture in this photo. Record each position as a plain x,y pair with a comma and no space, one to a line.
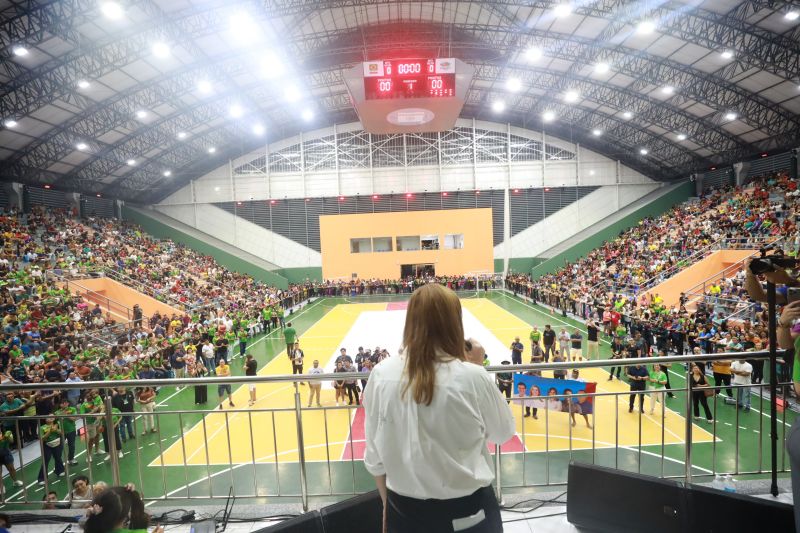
259,129
730,115
308,115
20,51
643,151
571,97
533,53
792,15
498,106
141,114
597,133
681,136
167,173
602,68
627,115
161,50
83,84
562,10
548,116
211,149
112,10
10,123
131,162
236,111
204,86
646,27
726,54
291,93
272,67
81,146
668,90
182,135
513,84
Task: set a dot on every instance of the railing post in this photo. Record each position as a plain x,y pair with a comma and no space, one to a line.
688,456
300,448
498,489
111,436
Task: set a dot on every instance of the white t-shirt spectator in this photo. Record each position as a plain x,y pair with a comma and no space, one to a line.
736,366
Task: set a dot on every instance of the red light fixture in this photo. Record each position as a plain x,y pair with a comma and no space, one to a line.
408,195
341,198
516,191
444,194
477,192
238,203
713,168
374,196
307,200
47,186
99,195
765,154
547,189
273,201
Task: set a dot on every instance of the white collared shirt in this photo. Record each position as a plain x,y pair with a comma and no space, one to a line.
439,450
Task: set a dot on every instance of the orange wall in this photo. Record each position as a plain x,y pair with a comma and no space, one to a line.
671,289
337,230
125,295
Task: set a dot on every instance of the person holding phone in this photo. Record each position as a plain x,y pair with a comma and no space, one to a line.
437,398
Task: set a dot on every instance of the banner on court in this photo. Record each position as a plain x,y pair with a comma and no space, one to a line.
553,394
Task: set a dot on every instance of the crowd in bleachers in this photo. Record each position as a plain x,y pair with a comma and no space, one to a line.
607,285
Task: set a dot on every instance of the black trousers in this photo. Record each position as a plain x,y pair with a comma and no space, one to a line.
698,399
410,515
549,349
505,389
352,390
723,379
200,394
637,390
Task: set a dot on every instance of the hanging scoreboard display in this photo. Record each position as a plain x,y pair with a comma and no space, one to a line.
409,95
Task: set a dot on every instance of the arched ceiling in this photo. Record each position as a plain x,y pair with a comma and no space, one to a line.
149,108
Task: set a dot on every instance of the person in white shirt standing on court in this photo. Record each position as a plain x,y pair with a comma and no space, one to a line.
429,414
742,372
314,386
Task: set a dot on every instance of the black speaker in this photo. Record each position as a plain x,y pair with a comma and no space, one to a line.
608,500
715,511
309,522
362,514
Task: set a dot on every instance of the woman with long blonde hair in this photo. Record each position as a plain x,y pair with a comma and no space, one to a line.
429,414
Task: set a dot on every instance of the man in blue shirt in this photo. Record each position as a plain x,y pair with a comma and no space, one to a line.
516,351
637,376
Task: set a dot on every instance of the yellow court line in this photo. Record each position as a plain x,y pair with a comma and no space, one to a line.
499,321
275,429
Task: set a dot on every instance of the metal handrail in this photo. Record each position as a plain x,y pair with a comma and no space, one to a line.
304,378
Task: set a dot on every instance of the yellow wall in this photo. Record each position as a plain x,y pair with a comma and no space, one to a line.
337,230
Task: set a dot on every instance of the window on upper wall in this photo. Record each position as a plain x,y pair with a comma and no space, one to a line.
429,242
408,243
454,241
360,246
381,244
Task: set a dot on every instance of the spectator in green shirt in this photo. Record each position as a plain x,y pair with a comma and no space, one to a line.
290,336
6,458
68,424
657,380
92,408
535,337
52,447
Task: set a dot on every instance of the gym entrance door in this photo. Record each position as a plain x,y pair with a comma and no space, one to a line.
417,271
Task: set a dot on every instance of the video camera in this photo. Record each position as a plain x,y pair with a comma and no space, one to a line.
773,263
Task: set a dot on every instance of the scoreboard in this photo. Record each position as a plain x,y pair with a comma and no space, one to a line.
410,78
409,94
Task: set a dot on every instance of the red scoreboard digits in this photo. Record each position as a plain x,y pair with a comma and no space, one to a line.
409,78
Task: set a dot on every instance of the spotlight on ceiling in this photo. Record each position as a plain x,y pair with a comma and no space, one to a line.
83,84
259,129
182,135
272,67
204,86
160,50
236,111
211,149
20,51
131,162
643,151
141,114
597,133
681,136
308,115
571,96
646,27
498,106
726,54
627,115
513,84
10,123
81,146
112,10
562,10
730,115
668,90
792,15
602,68
548,116
533,53
291,93
167,173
